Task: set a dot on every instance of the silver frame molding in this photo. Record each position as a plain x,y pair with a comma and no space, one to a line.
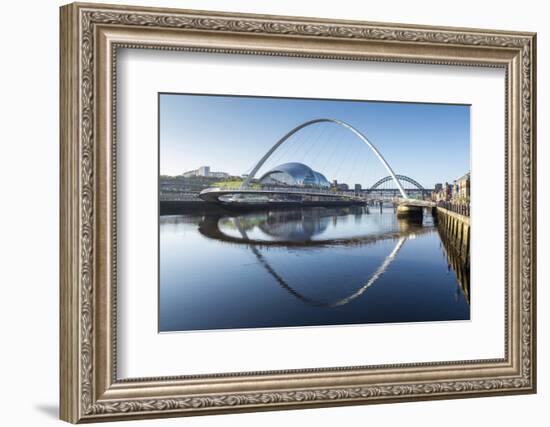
90,37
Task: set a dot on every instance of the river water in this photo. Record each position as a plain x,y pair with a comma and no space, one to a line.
305,267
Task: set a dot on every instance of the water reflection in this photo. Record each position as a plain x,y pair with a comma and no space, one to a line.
301,227
325,259
456,264
310,227
385,264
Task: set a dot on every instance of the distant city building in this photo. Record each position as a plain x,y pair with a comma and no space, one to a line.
462,185
357,188
205,171
294,175
455,194
218,175
339,187
459,190
442,192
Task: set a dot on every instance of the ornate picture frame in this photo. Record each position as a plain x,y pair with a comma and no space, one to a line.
90,37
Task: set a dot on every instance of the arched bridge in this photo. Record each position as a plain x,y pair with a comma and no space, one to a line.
401,178
362,137
223,194
256,193
385,187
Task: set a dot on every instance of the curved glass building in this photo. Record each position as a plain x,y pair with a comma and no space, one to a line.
294,175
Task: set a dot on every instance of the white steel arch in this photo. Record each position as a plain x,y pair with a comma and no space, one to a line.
362,137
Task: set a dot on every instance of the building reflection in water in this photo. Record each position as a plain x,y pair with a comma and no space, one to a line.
456,264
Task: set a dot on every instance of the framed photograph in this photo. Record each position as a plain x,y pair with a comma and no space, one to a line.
266,212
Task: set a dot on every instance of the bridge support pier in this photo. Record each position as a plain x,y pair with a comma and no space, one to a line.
410,211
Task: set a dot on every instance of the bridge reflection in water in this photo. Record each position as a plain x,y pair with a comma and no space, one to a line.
328,260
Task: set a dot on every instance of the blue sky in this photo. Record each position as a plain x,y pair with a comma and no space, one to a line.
427,142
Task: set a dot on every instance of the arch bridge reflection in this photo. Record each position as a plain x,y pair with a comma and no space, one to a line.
307,227
311,228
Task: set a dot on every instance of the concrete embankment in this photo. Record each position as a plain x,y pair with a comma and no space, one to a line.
455,228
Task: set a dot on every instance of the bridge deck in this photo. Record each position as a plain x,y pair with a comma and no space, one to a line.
214,194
